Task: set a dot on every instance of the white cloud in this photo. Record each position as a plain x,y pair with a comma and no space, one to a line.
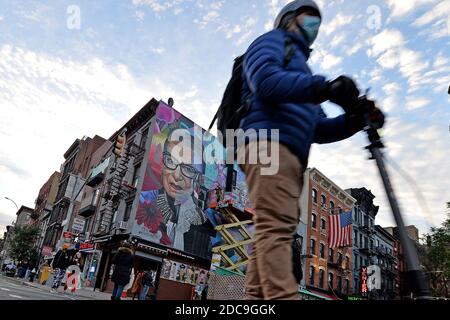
441,10
386,40
330,61
347,165
391,101
389,47
159,6
388,60
338,21
51,101
414,103
140,15
158,50
337,40
211,16
400,8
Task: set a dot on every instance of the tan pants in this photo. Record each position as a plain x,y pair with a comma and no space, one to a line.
275,199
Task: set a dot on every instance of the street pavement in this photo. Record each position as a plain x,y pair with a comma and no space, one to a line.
18,289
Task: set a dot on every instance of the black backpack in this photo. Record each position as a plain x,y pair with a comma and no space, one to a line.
231,110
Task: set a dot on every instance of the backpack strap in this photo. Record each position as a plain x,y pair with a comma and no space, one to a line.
289,51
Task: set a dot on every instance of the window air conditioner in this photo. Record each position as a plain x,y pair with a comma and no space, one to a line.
122,225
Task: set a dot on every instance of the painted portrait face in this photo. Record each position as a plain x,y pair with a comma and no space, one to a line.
177,177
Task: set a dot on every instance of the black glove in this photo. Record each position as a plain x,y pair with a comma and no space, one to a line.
356,118
341,91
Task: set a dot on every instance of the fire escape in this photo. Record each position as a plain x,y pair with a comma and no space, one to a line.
117,189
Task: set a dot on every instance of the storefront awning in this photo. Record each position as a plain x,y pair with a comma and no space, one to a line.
148,256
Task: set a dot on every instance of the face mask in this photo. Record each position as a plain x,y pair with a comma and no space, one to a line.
310,28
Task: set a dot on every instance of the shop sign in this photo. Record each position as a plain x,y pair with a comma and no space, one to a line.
47,251
86,246
67,235
364,288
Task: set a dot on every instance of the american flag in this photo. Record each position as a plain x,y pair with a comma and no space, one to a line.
340,232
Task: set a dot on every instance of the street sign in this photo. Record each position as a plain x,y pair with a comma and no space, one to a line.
81,237
78,224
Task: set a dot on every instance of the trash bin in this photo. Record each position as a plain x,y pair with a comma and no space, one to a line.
45,273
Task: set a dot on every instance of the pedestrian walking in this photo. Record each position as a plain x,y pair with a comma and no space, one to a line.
60,263
123,264
147,283
137,285
282,93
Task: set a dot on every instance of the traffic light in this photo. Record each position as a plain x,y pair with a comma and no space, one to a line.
119,145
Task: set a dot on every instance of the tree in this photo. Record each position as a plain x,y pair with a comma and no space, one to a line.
436,258
23,243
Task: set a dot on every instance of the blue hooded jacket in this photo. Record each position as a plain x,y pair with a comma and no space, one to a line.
282,97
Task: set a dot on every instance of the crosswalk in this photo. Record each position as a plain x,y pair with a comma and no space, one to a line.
14,291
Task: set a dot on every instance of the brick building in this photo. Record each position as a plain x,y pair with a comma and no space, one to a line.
327,271
74,172
43,208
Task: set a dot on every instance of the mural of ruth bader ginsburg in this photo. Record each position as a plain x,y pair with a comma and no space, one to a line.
168,211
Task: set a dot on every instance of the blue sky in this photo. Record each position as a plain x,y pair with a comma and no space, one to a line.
61,72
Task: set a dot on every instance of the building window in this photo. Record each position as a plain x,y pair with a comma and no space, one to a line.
378,243
314,195
356,261
311,275
128,208
144,138
313,246
366,242
321,274
347,262
355,238
339,283
300,242
340,210
323,200
355,214
330,255
371,244
347,285
313,220
360,240
323,224
339,260
330,279
356,282
136,175
322,250
366,221
331,207
361,262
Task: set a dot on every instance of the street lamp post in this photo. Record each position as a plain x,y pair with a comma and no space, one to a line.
13,202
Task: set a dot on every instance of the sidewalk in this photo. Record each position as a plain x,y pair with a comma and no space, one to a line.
87,293
84,293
